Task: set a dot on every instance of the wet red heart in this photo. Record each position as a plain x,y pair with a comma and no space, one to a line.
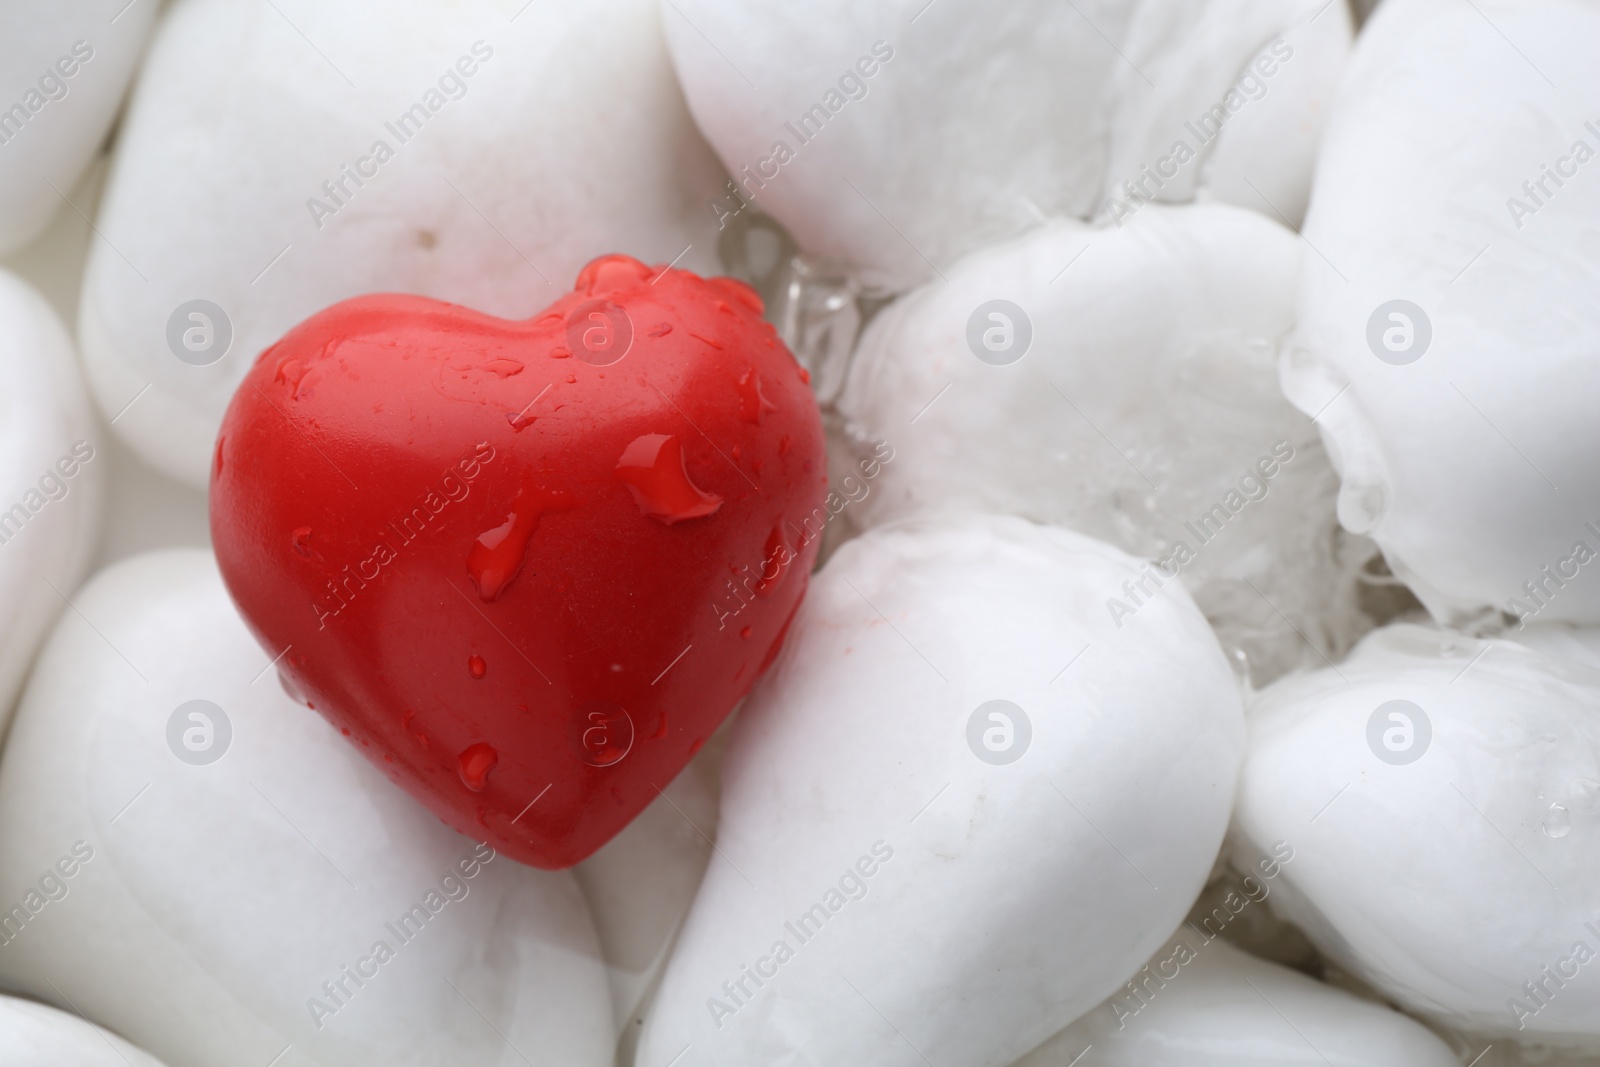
528,567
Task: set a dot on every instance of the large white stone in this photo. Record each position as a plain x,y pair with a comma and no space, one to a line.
570,140
1208,1004
942,127
34,1035
933,903
1144,410
1472,465
207,905
52,475
63,71
1449,881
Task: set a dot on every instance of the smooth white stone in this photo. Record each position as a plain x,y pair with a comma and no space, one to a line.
983,120
986,889
1266,155
1212,1005
218,898
569,142
1449,881
62,119
1472,466
49,522
144,510
34,1035
1147,395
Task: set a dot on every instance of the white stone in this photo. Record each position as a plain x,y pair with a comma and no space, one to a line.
49,519
1145,411
1012,895
977,122
570,140
1449,881
34,1035
1473,464
1211,1005
63,71
208,904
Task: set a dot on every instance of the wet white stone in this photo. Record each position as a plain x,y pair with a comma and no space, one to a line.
1442,794
209,910
568,140
914,133
890,838
1462,420
1129,392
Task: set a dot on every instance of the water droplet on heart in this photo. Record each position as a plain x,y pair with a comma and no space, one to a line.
552,319
504,368
805,375
611,273
656,472
496,556
475,763
217,469
302,541
560,352
707,340
753,403
660,329
476,667
1557,821
775,560
744,632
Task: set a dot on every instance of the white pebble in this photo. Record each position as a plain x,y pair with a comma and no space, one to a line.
218,880
52,478
1207,1004
897,137
893,838
63,71
1449,317
1442,795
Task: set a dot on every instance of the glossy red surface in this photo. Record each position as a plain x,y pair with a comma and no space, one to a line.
528,584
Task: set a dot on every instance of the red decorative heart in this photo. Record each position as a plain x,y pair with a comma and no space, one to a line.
528,567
